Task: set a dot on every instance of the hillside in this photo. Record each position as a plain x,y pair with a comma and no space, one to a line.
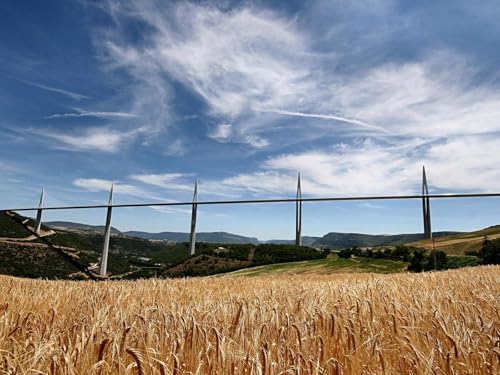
209,237
336,240
460,243
306,241
79,226
218,259
75,252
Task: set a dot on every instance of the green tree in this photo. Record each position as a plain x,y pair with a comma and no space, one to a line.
436,260
490,252
345,253
402,252
417,261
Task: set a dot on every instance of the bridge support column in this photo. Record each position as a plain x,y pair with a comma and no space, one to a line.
194,211
298,215
426,207
107,234
38,224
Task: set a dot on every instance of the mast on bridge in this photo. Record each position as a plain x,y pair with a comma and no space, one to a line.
298,215
426,207
107,234
38,225
194,211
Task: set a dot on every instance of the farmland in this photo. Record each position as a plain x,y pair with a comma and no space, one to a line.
458,244
330,265
442,323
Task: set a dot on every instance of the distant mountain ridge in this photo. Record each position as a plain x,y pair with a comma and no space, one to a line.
306,241
209,237
335,240
79,226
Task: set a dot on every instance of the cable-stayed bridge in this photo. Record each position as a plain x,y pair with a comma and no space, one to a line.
298,201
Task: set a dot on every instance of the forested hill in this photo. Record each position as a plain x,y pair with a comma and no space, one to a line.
209,237
336,240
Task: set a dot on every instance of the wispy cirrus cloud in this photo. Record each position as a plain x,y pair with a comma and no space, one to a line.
121,188
171,181
101,114
261,183
172,210
251,61
184,182
325,117
97,184
234,61
66,93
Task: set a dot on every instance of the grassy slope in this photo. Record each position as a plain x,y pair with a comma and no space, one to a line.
331,265
460,243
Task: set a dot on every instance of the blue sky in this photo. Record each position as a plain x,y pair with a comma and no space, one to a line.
243,95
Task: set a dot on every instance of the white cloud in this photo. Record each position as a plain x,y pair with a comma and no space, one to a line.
97,184
221,132
256,141
171,181
92,139
434,97
172,210
262,182
370,205
177,148
93,184
465,163
367,168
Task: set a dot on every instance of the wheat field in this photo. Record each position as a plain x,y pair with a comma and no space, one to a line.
434,323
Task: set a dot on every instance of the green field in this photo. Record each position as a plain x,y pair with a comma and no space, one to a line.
331,265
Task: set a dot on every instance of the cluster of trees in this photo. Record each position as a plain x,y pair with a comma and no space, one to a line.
214,258
489,253
400,252
419,260
268,253
265,253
